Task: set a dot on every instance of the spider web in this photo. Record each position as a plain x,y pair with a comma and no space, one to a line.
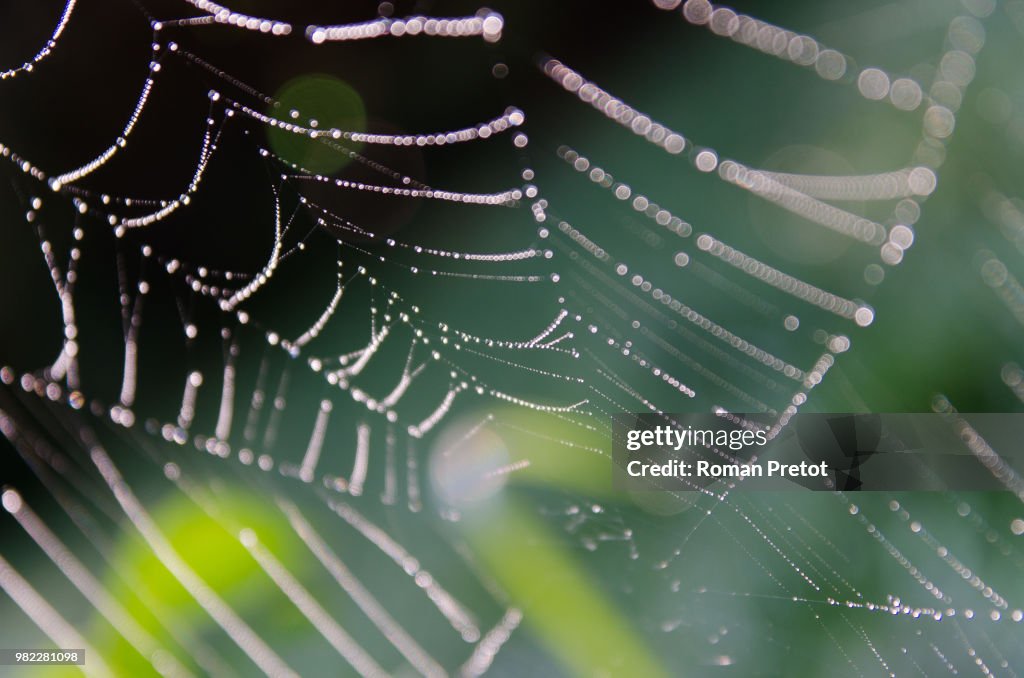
388,389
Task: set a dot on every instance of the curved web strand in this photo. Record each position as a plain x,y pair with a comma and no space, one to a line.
45,51
486,24
71,176
223,15
804,51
